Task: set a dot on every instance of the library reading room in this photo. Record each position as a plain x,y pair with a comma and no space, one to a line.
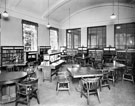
67,52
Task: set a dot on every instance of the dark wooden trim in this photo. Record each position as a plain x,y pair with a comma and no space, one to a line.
29,22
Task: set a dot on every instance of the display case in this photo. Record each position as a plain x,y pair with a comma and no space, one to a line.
12,55
52,59
50,65
44,49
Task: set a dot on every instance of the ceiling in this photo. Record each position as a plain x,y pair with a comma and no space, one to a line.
58,10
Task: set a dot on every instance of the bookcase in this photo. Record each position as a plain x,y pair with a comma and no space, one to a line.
12,55
31,56
82,50
126,56
109,53
97,54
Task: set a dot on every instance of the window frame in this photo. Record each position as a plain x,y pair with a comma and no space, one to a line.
25,39
71,31
126,46
55,29
98,46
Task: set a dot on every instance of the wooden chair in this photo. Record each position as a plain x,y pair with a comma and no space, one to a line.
26,91
62,82
10,68
90,86
105,79
112,76
128,74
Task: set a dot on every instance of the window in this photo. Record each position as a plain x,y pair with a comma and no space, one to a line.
53,38
30,30
73,38
96,37
125,36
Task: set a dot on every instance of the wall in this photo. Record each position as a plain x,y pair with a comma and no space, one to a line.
11,33
99,15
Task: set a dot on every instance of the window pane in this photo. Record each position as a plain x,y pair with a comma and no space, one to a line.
74,38
96,37
54,39
125,36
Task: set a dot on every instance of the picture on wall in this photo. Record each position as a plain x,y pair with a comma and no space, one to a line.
30,31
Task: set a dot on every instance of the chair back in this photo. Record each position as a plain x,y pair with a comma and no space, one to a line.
27,87
62,75
91,83
10,68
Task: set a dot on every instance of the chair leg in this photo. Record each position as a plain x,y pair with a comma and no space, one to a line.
28,101
37,97
98,95
88,99
16,103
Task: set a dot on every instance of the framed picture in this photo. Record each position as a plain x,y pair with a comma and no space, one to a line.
30,33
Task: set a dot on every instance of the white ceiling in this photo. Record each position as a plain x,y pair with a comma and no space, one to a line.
58,9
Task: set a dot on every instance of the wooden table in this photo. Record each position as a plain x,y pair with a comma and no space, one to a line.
84,72
115,69
112,66
8,78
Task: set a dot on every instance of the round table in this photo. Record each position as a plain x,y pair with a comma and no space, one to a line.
115,70
8,78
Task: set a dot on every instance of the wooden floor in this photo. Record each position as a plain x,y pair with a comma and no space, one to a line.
123,94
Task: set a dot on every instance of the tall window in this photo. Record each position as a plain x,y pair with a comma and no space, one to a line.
30,33
96,37
125,36
73,38
53,38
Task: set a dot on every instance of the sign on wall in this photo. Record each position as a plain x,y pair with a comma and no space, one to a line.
30,32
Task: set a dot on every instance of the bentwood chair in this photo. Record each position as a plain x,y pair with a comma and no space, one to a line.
90,86
62,82
26,91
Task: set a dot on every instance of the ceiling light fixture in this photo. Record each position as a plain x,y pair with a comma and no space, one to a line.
5,13
118,26
48,24
113,16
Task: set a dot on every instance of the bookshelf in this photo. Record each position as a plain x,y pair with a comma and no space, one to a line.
109,53
126,56
82,50
96,54
12,55
31,56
